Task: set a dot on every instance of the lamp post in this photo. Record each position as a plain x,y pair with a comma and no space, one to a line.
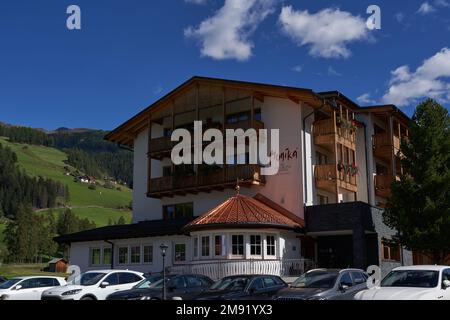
163,248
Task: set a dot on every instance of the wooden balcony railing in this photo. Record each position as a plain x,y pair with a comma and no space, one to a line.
384,147
326,134
162,146
383,185
204,181
328,177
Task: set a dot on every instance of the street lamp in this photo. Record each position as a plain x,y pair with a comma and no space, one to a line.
164,248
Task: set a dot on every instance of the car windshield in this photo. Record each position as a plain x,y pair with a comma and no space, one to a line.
146,283
411,279
233,284
8,284
88,279
318,280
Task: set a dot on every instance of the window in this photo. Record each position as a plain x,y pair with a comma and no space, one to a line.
446,275
391,251
219,245
136,254
112,279
195,247
205,246
358,278
270,282
321,158
95,256
46,282
237,245
106,256
346,280
128,277
167,171
177,283
123,255
194,282
255,245
322,200
176,211
257,284
167,132
270,245
180,252
30,283
148,254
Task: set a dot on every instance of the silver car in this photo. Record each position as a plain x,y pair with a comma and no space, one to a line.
326,284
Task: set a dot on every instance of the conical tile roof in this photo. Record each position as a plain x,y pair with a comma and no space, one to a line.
241,211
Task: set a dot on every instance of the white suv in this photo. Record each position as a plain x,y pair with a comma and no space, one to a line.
95,285
28,288
412,283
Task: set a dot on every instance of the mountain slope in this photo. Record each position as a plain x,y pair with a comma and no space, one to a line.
100,205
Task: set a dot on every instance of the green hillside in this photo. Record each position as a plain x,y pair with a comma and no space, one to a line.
99,205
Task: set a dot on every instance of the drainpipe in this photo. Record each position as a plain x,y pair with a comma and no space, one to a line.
112,253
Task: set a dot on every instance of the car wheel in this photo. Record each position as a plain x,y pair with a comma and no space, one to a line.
87,298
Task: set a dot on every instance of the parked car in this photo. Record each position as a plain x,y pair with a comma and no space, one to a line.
326,284
28,288
177,287
94,285
244,287
2,279
412,283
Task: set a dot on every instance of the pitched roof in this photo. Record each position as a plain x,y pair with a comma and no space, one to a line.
137,230
242,211
126,132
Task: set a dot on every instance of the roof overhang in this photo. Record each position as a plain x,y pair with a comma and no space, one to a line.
128,131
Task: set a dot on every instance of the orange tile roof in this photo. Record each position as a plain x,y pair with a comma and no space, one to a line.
243,211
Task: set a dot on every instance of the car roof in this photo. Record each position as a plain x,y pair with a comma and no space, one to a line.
422,267
34,277
112,270
335,270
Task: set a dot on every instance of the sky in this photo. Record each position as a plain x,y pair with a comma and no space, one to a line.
128,54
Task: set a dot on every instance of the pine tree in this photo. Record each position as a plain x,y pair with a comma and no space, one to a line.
419,207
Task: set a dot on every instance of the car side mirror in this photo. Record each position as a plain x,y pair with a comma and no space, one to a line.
104,284
446,284
18,287
344,287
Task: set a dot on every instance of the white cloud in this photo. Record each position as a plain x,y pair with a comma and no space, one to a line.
332,72
400,17
431,79
327,32
426,8
297,68
442,3
226,34
365,98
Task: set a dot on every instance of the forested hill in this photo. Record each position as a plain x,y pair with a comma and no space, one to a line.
86,148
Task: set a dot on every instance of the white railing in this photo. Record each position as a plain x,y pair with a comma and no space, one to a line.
223,268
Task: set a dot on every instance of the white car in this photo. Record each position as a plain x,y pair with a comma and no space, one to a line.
28,288
412,283
95,285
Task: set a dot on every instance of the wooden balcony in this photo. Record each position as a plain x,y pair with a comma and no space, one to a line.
384,147
326,134
328,178
206,181
383,185
161,147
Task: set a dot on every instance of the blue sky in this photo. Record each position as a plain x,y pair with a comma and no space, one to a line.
130,53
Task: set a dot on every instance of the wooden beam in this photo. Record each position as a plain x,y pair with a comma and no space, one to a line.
149,157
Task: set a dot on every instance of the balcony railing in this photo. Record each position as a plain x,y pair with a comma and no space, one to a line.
385,147
161,146
219,178
383,185
326,133
223,268
328,177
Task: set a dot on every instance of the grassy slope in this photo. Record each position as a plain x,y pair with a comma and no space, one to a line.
19,270
98,205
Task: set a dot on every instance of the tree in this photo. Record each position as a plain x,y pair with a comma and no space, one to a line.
419,207
121,220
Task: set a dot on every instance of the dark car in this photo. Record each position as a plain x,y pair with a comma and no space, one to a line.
326,284
244,287
177,287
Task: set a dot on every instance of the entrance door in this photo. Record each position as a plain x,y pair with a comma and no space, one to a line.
335,251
